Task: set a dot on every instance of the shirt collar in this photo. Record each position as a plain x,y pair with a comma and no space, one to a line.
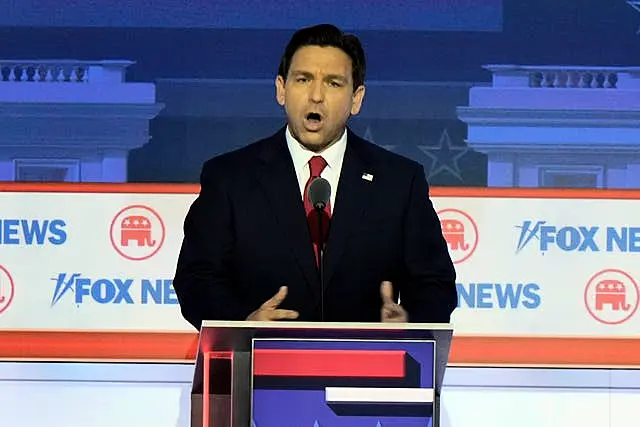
301,155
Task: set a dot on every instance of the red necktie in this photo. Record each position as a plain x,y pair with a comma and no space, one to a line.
316,166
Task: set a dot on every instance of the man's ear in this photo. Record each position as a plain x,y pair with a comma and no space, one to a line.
356,100
280,90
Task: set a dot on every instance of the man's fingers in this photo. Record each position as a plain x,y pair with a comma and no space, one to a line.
277,299
284,314
393,313
386,291
391,309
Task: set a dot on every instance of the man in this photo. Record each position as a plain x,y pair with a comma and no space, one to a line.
250,249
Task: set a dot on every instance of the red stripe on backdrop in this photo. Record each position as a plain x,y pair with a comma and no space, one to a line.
88,187
135,346
160,188
330,363
182,347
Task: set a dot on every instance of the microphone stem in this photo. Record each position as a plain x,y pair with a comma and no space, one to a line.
321,261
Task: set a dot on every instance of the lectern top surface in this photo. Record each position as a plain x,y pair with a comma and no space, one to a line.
327,325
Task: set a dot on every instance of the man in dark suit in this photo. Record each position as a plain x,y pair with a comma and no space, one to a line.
250,249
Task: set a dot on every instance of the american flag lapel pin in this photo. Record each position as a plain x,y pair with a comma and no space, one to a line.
367,177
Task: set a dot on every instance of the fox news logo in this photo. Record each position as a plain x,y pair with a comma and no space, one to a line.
113,290
502,296
32,232
578,238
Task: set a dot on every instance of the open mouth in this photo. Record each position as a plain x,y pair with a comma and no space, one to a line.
314,117
313,121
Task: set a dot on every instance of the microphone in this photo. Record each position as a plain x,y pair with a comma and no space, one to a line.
319,195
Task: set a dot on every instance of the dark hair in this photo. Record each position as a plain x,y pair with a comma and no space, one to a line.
326,35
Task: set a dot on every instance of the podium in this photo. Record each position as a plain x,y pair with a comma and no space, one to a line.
260,374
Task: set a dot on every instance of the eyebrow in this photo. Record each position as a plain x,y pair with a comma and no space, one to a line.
337,77
329,76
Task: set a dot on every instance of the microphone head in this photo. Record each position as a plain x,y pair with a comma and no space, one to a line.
319,193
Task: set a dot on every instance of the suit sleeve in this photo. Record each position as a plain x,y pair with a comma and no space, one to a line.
429,295
203,281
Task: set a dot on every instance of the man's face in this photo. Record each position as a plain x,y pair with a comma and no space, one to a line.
318,95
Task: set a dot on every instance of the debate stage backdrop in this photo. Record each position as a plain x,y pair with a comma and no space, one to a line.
524,114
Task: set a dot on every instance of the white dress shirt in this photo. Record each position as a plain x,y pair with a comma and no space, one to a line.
332,155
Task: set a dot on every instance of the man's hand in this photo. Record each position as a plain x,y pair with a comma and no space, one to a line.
391,312
270,311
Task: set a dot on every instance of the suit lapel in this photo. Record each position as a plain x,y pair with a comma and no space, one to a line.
279,182
353,193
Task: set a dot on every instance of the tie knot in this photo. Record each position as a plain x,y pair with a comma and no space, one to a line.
317,165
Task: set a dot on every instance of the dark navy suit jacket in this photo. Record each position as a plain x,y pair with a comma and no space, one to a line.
246,235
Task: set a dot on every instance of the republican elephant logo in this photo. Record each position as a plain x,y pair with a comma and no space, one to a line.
460,232
613,293
611,296
138,229
7,289
453,232
137,232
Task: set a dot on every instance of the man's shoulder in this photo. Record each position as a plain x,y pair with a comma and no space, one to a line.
239,159
386,159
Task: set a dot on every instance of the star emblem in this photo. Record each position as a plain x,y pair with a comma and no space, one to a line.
636,5
444,156
368,135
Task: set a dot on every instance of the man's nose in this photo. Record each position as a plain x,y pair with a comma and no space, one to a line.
316,92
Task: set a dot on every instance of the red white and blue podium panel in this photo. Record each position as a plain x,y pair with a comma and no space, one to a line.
342,383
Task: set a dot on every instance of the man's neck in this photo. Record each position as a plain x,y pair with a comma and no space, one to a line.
318,149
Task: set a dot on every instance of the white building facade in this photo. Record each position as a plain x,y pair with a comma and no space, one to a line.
71,121
557,126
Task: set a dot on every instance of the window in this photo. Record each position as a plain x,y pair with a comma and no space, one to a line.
571,177
46,170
